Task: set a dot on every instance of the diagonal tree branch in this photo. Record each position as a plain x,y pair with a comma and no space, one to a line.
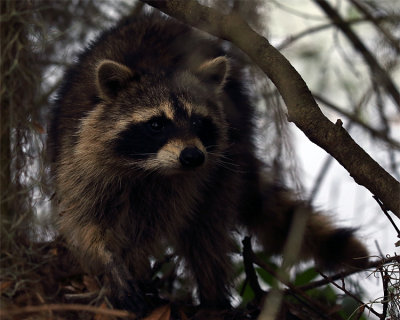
302,108
374,132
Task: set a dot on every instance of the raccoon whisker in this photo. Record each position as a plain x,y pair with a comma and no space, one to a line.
234,170
211,146
160,164
170,156
224,159
144,172
227,162
222,153
144,154
230,166
221,156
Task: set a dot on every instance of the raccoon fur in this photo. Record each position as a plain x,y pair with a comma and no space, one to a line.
151,142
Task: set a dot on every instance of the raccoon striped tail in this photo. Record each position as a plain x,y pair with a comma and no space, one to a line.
332,248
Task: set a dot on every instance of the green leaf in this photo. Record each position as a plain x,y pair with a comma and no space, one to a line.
305,277
248,294
265,276
325,295
349,306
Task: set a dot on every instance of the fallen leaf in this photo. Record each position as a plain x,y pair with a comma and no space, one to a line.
78,285
161,313
4,285
99,316
91,283
183,315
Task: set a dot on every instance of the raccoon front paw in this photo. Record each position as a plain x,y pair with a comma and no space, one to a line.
131,299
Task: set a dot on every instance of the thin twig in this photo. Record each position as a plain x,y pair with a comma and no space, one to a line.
293,38
365,10
370,60
387,215
385,282
371,265
251,275
312,305
374,132
81,297
320,177
348,293
66,307
378,248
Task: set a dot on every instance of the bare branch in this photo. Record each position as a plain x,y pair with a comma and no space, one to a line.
390,38
302,108
312,305
371,265
66,307
374,132
388,216
348,293
251,275
376,68
385,282
293,38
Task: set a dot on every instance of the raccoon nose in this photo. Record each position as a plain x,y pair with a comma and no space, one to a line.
191,157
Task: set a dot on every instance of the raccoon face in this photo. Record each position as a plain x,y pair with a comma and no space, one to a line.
171,127
182,141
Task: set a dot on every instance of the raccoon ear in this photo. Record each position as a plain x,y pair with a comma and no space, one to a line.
214,72
111,77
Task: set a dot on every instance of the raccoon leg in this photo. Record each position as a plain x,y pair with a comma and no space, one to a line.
271,219
124,291
205,247
90,245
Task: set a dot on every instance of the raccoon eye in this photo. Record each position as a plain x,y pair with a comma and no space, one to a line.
156,125
197,123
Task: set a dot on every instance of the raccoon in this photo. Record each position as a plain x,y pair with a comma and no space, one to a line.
151,143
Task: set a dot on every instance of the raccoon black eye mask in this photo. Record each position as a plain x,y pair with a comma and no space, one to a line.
139,141
164,156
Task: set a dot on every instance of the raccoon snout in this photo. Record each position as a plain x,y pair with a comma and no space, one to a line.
191,157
